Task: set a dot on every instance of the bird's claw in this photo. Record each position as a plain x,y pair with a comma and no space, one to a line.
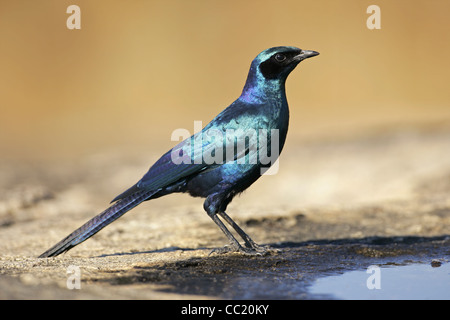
254,250
264,250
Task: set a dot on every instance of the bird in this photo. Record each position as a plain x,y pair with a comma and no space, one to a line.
243,134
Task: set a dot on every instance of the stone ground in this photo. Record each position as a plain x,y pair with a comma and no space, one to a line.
334,205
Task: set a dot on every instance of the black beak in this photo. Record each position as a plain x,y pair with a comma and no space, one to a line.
305,54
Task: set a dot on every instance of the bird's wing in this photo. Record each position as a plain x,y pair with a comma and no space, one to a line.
204,150
181,161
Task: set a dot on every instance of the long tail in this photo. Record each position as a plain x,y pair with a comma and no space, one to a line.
97,223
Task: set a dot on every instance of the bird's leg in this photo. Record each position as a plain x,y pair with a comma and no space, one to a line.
235,245
248,241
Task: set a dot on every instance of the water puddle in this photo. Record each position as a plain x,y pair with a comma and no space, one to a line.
392,281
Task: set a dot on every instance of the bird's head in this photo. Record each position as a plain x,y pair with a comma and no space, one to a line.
272,66
278,62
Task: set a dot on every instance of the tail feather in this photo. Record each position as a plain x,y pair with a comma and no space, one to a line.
97,223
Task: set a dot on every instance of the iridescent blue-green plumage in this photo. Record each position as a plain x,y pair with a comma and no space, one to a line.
261,108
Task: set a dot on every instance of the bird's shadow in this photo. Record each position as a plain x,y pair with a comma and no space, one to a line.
168,249
284,275
371,240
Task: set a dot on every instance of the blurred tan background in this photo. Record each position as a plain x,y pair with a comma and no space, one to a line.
84,113
137,70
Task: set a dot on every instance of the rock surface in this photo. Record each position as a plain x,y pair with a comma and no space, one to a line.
334,205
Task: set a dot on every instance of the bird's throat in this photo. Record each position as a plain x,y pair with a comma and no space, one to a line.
263,91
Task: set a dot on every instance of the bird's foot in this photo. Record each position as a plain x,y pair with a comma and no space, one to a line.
238,249
264,250
254,250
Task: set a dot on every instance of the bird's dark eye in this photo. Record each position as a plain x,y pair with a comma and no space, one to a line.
280,57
